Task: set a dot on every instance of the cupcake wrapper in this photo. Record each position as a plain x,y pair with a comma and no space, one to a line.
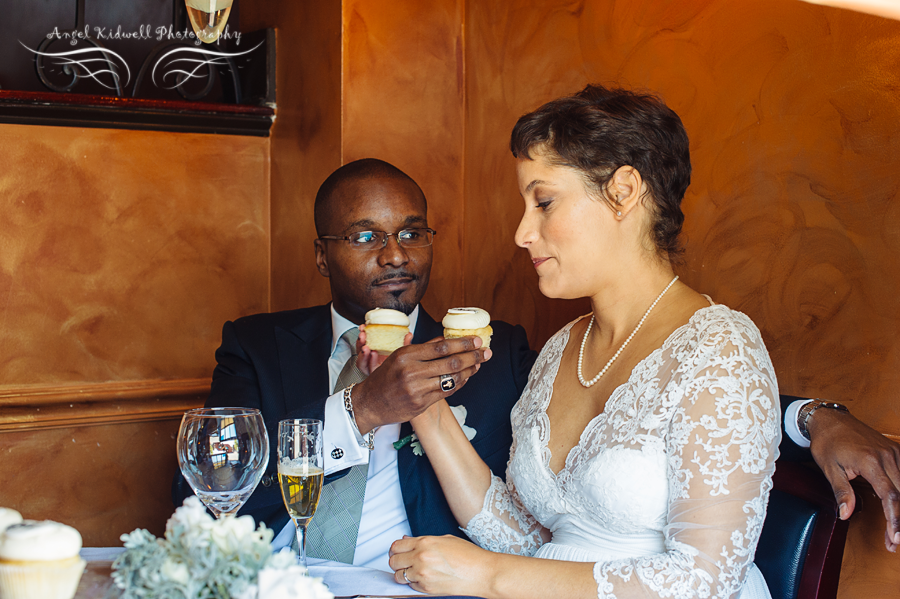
47,581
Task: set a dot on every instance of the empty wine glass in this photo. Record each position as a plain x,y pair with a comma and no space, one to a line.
300,472
223,453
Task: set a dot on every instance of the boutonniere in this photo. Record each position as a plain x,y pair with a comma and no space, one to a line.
459,412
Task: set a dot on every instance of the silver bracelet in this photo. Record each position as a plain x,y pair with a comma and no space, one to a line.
369,440
807,410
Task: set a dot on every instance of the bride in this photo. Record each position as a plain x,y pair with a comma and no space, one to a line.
645,440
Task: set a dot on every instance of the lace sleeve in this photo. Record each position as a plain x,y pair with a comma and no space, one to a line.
721,446
504,525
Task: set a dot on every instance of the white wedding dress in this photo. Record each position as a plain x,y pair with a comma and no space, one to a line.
666,490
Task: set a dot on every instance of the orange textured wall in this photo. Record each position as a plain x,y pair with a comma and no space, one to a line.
792,215
124,251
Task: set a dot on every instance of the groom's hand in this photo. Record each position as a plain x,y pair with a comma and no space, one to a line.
845,448
409,380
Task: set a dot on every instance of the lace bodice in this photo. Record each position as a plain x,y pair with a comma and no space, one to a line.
666,489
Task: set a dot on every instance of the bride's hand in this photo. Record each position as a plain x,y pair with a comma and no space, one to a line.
444,565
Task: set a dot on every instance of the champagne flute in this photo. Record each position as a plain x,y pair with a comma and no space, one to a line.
222,453
208,17
300,472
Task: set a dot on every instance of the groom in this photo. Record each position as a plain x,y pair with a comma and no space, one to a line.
289,365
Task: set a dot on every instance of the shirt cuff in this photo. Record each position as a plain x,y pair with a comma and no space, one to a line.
790,422
342,441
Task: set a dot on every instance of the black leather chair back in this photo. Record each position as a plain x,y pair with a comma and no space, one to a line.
802,541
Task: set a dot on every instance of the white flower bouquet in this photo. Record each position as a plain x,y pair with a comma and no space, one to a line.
203,558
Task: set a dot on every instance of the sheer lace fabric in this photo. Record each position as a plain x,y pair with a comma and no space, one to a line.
666,489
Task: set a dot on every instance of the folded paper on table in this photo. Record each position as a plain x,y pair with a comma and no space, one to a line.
345,580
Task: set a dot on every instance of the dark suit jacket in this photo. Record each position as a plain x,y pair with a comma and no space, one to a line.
278,363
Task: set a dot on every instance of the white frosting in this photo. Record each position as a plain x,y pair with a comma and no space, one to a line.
466,318
39,541
8,517
387,316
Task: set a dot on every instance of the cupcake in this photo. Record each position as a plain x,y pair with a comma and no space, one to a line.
40,559
468,322
385,330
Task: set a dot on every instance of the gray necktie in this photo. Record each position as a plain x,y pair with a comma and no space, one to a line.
333,531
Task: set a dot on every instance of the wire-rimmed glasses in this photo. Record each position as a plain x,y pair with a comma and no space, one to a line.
376,240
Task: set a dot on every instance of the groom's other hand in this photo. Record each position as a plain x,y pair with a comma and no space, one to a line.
845,448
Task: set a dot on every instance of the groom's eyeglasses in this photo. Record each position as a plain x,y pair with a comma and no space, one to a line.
376,240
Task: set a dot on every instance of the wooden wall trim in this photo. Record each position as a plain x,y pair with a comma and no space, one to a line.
35,407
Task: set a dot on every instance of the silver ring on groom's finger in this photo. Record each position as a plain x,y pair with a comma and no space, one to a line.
448,383
408,581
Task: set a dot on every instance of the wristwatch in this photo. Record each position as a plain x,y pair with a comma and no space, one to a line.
807,410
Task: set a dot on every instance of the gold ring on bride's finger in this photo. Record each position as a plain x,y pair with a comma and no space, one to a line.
448,383
408,581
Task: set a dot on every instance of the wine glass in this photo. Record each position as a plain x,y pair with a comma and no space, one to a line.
300,472
223,453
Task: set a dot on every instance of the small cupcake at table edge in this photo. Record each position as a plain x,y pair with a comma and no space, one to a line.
385,330
468,322
40,559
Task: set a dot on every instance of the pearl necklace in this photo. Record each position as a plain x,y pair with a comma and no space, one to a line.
594,380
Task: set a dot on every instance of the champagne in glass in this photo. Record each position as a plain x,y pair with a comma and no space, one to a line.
222,453
300,472
208,17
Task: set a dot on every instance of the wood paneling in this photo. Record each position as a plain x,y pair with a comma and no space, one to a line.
98,457
37,407
103,480
306,136
403,101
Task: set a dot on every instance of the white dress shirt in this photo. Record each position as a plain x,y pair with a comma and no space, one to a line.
383,518
790,422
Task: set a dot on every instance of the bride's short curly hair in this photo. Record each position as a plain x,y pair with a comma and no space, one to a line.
599,130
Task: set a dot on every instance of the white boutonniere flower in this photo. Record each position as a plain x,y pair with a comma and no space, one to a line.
459,412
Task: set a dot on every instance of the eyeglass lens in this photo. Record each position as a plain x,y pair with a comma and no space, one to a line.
406,238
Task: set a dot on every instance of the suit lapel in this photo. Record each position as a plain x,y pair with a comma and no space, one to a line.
303,352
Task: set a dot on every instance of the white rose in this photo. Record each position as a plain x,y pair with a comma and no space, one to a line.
460,413
228,532
191,521
177,571
291,583
282,560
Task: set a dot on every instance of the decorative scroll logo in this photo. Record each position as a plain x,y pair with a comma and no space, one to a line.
185,68
174,63
89,63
